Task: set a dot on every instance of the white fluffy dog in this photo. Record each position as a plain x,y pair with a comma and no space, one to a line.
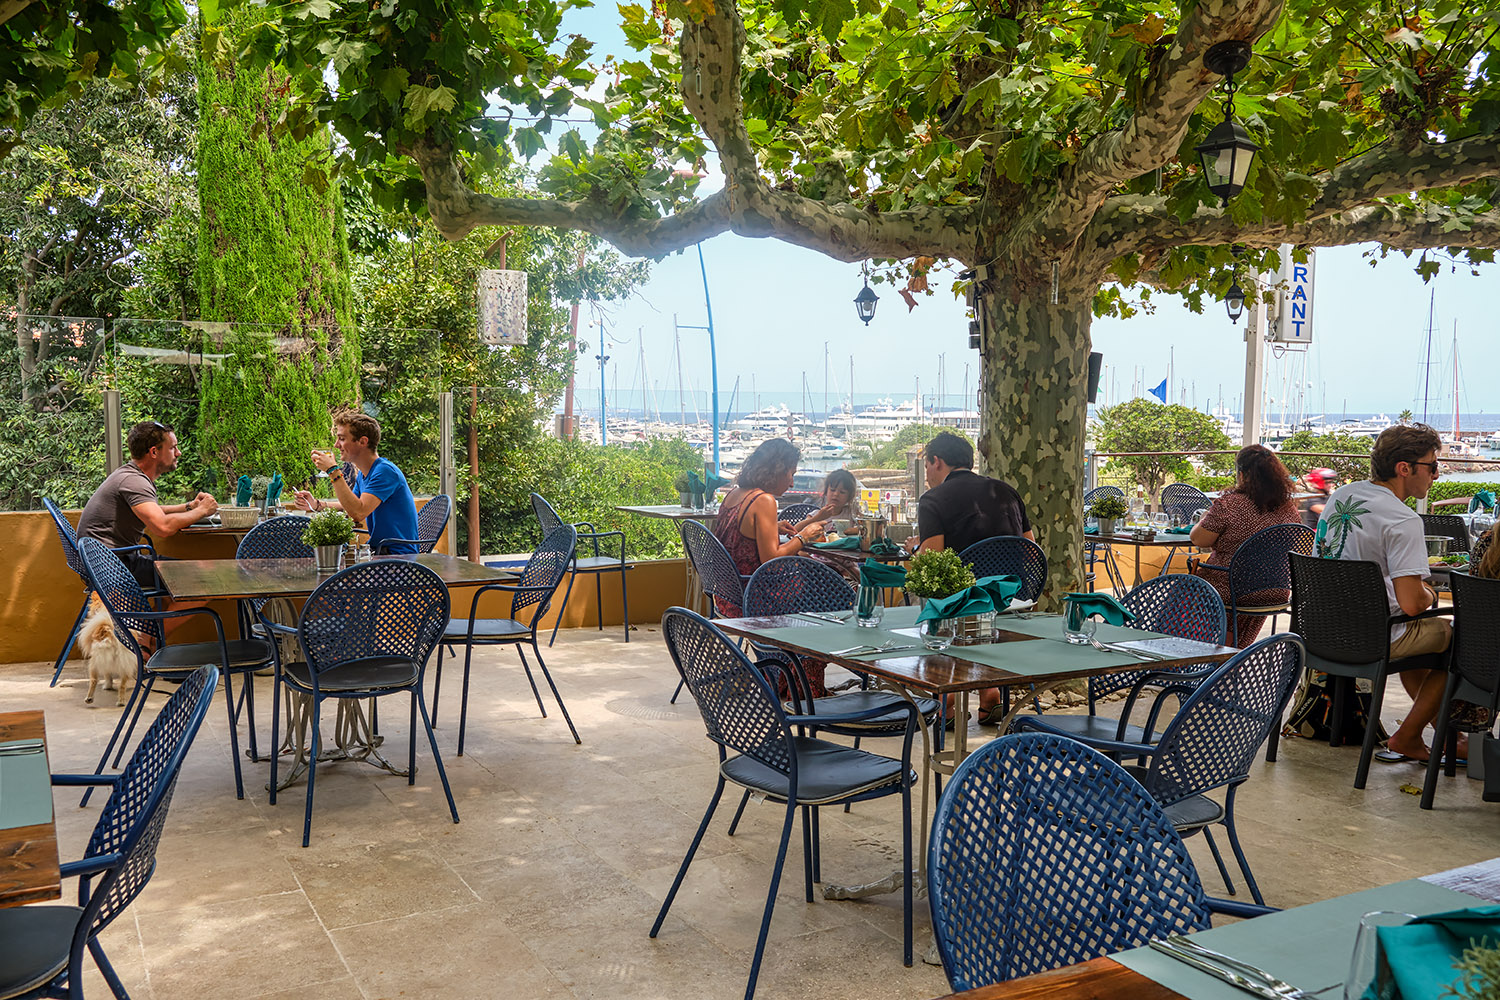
108,659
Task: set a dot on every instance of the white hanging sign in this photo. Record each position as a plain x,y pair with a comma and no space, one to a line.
1295,299
502,307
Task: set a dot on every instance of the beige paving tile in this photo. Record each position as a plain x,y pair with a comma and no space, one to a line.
377,881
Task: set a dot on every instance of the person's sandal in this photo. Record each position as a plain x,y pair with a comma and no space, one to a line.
948,725
991,716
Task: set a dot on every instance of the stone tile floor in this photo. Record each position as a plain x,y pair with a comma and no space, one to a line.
548,886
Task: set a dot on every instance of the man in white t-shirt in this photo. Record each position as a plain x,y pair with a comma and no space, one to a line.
1369,520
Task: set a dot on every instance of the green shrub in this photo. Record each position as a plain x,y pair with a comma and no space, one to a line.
937,573
328,527
1333,443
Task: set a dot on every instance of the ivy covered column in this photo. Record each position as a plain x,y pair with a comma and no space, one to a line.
1033,410
273,256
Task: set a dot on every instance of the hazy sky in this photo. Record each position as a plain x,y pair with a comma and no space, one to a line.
775,306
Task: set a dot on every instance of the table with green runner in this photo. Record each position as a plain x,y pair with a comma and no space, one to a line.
1307,946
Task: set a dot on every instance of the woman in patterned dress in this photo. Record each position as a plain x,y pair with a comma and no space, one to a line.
1261,497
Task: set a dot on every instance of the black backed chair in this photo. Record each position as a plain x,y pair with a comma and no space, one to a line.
1097,552
794,512
431,520
1451,527
1473,669
366,632
41,947
596,564
69,541
1010,555
1340,608
760,750
1181,501
534,592
133,615
718,577
1046,853
1259,566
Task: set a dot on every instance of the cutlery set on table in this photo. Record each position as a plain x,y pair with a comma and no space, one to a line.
1231,970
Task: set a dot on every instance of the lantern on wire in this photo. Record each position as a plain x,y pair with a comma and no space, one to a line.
864,302
1228,151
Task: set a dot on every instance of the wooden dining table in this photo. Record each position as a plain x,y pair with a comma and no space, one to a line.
1294,944
29,870
239,579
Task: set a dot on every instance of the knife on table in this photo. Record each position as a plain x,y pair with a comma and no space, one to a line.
1250,984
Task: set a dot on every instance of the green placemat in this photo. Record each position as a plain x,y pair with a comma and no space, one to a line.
1308,946
25,789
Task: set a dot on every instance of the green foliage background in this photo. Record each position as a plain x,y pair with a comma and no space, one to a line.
1146,425
273,259
892,454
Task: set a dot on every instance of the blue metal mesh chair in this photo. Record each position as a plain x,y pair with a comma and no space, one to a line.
365,632
1473,668
1183,501
1211,742
1045,853
1010,555
69,541
132,614
596,564
1095,552
718,577
42,947
760,751
1340,609
1260,581
534,592
1179,605
794,512
431,520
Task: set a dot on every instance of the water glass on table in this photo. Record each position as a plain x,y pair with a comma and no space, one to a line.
1078,625
869,606
938,633
1364,962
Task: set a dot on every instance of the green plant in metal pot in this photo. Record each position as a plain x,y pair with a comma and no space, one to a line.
329,527
937,573
1479,973
1109,507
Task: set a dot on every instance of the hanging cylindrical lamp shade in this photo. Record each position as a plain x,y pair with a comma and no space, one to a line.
501,297
864,303
1226,155
1234,301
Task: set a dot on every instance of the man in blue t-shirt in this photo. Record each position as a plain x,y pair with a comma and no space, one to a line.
378,496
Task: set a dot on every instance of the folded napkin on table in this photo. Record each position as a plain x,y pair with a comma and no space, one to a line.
1092,529
847,542
1185,529
712,482
1416,959
273,492
993,593
1485,497
1103,605
242,492
884,547
877,574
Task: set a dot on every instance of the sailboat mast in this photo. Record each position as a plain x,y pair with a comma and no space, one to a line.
1456,437
1427,363
677,349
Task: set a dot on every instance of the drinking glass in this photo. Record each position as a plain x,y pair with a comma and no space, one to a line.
1137,508
1362,965
1078,628
1161,520
869,606
938,633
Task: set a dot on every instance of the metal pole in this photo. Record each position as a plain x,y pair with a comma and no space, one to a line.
114,455
1255,364
713,354
447,472
473,473
603,422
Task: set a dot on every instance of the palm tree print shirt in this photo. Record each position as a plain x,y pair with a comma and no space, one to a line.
1365,521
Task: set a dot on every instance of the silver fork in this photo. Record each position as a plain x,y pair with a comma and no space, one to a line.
1185,946
1128,652
865,647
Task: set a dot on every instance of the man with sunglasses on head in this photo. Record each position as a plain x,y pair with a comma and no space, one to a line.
125,504
1370,520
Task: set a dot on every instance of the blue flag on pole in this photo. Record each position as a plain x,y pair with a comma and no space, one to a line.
1160,392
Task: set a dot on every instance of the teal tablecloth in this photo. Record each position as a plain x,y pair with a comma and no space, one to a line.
25,789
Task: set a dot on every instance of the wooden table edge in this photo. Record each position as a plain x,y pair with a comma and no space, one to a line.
1097,978
28,724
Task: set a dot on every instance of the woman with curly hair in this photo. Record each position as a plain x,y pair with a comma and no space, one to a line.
1262,496
747,523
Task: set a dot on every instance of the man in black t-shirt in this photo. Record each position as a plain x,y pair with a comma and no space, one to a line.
961,507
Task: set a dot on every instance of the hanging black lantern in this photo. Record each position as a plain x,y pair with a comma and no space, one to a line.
864,302
1234,301
1228,151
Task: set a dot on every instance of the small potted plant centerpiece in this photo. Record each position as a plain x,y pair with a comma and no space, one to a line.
1107,509
684,487
933,575
328,532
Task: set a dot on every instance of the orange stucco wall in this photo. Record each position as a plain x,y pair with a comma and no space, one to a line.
40,595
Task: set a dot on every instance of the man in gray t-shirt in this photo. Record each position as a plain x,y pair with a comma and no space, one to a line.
125,506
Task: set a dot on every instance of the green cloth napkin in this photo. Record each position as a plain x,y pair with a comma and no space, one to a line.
884,547
1103,605
273,492
242,492
712,482
1484,497
1092,529
1185,529
1416,960
878,574
847,542
993,593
